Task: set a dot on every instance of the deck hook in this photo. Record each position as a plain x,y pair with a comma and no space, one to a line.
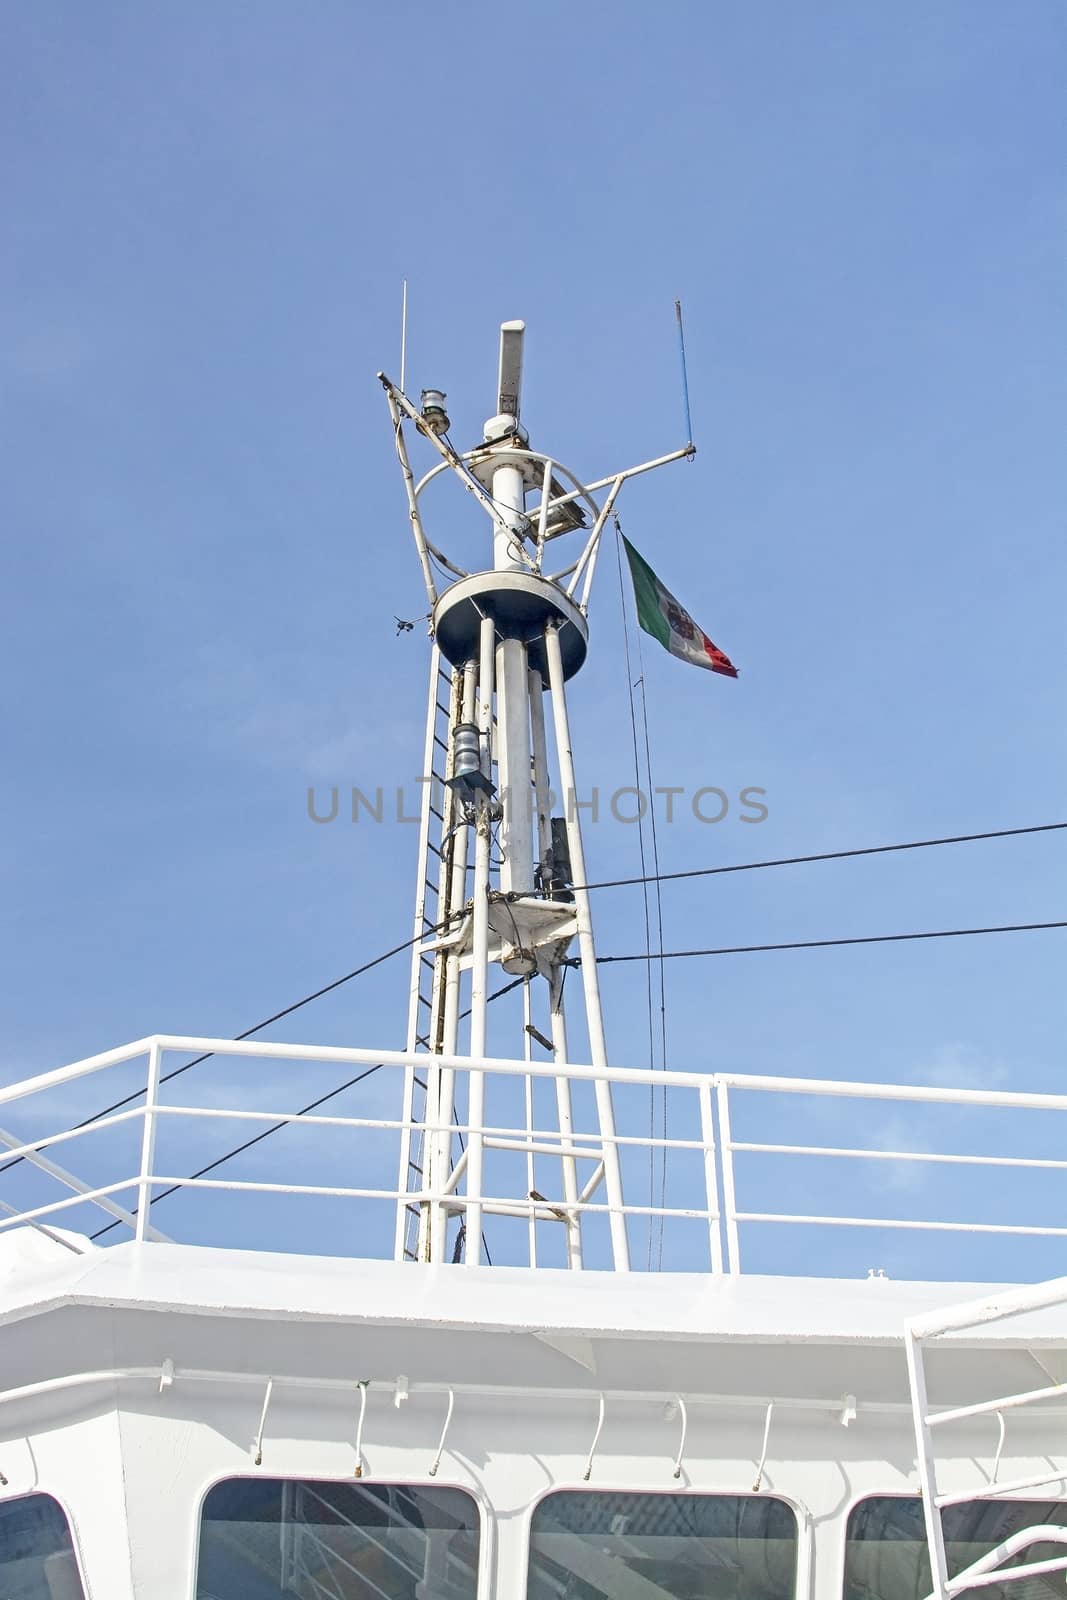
257,1448
680,1403
1000,1447
596,1440
362,1387
444,1433
763,1453
3,1481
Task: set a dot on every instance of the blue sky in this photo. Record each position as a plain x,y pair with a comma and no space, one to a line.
208,214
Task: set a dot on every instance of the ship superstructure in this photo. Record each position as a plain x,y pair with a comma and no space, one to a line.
302,1375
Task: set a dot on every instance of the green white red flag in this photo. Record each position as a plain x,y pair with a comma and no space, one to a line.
660,614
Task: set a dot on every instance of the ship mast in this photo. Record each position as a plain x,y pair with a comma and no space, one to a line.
502,865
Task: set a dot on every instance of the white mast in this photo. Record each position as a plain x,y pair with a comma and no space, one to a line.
506,639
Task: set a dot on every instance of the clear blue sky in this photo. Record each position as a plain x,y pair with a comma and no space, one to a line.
208,214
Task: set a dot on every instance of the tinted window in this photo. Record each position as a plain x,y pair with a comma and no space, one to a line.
36,1552
715,1547
886,1556
272,1539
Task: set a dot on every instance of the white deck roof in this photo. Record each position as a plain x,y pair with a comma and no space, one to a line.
39,1274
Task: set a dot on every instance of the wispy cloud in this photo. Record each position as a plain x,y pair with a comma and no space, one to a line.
961,1066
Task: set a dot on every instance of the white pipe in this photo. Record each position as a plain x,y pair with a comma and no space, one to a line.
729,1199
82,1193
148,1144
16,1151
711,1190
444,1433
362,1387
449,457
479,956
1014,1486
587,946
924,1456
564,1112
513,766
1002,1431
413,506
542,517
1006,1403
415,978
1024,1229
977,1313
588,555
531,1153
763,1453
78,1069
680,1403
444,1003
596,1440
1042,1533
862,1154
257,1445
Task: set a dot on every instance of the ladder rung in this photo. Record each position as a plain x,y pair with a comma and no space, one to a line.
443,709
443,746
440,819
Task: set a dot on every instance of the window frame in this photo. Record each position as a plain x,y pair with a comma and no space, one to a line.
486,1521
892,1494
802,1588
38,1493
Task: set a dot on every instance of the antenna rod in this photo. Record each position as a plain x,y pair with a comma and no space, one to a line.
404,332
685,378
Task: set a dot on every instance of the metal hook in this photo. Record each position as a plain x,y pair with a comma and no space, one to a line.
362,1387
257,1447
681,1442
1000,1447
596,1440
763,1452
444,1433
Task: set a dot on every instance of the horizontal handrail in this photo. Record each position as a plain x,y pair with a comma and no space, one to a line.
708,1130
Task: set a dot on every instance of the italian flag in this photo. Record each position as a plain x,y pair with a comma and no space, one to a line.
659,613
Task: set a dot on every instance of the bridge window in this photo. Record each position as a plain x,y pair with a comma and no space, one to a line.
886,1556
272,1539
36,1551
584,1546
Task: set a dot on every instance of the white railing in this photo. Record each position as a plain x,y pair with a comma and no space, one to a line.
919,1334
702,1184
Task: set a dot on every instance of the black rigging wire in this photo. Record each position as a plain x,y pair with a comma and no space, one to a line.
286,1011
646,956
662,980
823,944
276,1127
645,879
824,855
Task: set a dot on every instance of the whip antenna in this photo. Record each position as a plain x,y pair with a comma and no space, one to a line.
685,378
404,332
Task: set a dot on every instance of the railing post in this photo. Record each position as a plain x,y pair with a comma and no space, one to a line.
924,1452
726,1157
148,1141
711,1182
